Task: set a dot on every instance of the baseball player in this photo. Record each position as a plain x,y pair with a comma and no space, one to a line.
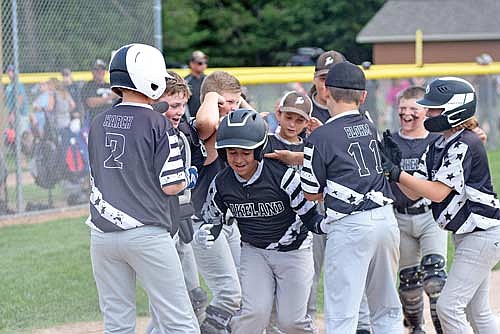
220,94
320,115
423,245
319,92
293,115
286,145
454,174
362,247
176,95
266,199
136,173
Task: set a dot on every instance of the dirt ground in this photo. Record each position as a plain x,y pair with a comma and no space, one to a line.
96,327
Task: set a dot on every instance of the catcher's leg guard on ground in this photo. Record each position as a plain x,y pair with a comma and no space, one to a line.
199,301
412,298
434,277
216,321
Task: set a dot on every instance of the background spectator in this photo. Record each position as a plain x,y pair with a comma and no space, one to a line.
197,64
74,88
15,97
96,94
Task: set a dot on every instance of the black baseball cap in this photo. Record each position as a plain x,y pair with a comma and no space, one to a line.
346,75
326,60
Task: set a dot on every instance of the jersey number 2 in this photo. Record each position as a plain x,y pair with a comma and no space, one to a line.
356,152
116,142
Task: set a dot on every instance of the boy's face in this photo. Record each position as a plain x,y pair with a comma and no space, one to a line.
411,115
319,83
176,107
232,103
242,162
291,125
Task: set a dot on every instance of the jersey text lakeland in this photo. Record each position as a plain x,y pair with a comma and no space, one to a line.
257,209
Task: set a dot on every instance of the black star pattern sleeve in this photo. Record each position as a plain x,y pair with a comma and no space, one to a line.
451,171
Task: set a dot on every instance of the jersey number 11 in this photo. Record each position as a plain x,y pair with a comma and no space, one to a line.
356,152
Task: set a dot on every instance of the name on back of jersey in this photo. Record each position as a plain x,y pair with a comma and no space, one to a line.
357,131
118,121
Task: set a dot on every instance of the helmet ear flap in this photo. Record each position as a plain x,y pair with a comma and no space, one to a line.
258,153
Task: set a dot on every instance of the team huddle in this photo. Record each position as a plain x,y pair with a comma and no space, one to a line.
259,214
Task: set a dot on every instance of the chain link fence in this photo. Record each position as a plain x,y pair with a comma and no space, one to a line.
55,51
54,58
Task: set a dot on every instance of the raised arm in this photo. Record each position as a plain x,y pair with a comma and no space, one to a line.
207,118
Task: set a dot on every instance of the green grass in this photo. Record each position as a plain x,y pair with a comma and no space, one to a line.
494,160
47,276
34,193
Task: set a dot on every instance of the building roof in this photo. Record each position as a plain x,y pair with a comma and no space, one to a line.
440,20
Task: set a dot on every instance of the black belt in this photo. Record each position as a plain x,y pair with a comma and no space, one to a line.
414,211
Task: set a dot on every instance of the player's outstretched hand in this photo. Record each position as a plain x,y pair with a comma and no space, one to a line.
286,157
391,171
391,149
191,177
204,237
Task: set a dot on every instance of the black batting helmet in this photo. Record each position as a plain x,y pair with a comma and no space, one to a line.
456,96
242,128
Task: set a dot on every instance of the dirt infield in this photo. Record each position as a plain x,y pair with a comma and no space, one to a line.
96,327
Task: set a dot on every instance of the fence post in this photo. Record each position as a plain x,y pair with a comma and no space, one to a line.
157,25
17,107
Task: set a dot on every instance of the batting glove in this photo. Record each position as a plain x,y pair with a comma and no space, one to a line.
204,237
191,177
391,171
391,149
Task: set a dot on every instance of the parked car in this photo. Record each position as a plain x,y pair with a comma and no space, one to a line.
305,56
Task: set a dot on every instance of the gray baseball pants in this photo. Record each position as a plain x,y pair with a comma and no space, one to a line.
188,263
319,245
268,277
218,266
149,254
363,249
466,292
420,236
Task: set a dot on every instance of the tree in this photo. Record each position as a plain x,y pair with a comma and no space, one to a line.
259,33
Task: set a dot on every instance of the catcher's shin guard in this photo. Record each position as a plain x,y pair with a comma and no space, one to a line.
217,321
199,301
412,298
434,277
